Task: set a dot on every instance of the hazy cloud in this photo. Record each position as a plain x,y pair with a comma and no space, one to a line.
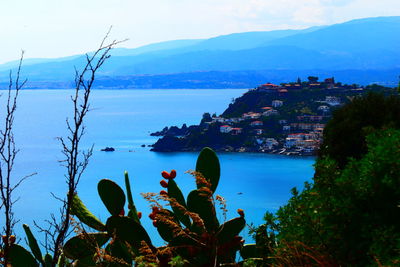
49,28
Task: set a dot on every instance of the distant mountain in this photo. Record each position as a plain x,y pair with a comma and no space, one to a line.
365,45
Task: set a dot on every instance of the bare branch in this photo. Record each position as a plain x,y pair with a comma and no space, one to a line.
76,160
8,153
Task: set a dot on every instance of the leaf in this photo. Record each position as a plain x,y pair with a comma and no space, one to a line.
175,192
202,205
250,251
48,259
33,244
131,206
127,229
20,257
84,215
208,165
112,196
84,245
230,229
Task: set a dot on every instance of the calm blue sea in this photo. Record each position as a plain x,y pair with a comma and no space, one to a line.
123,119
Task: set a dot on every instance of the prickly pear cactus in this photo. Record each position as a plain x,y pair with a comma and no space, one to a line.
190,228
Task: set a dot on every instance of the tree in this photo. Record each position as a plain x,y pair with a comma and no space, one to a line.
76,160
312,79
344,135
8,154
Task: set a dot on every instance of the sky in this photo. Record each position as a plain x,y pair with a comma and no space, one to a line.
56,28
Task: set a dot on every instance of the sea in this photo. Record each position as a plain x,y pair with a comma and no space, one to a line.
124,119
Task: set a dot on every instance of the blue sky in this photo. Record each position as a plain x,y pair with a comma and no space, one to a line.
54,28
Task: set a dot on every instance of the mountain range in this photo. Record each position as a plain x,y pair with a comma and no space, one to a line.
359,51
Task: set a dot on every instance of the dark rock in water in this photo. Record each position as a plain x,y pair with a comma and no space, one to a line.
143,145
168,144
108,149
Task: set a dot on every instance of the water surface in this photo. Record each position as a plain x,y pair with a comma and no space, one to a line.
123,119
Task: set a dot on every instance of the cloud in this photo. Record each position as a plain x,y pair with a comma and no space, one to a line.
64,27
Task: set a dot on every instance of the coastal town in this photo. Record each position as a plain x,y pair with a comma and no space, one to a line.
284,119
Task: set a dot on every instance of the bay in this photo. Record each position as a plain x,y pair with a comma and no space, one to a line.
123,119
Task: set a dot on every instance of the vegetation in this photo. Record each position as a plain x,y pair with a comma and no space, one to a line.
191,228
349,215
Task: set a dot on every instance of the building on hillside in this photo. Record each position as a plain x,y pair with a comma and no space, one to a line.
270,112
277,103
265,108
219,119
286,128
251,115
256,123
332,100
258,131
309,118
225,128
268,87
236,131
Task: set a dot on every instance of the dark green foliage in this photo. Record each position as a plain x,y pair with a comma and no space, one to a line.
84,215
20,257
128,230
174,192
208,165
192,230
84,245
351,214
33,244
344,135
230,229
112,196
48,259
131,206
200,203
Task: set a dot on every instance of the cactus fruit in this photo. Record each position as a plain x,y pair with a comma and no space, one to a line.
191,228
240,212
172,174
165,174
164,183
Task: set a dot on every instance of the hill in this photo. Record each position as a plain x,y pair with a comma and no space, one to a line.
365,45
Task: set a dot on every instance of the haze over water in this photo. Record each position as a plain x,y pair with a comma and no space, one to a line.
123,119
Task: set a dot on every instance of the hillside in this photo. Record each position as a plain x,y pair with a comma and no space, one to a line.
365,45
285,119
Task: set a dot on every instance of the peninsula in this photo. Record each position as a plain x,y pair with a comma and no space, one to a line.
282,119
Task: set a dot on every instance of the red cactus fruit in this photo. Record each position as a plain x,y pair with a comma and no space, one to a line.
152,216
4,238
240,212
165,174
155,209
163,193
154,223
164,183
12,239
121,213
172,174
139,214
